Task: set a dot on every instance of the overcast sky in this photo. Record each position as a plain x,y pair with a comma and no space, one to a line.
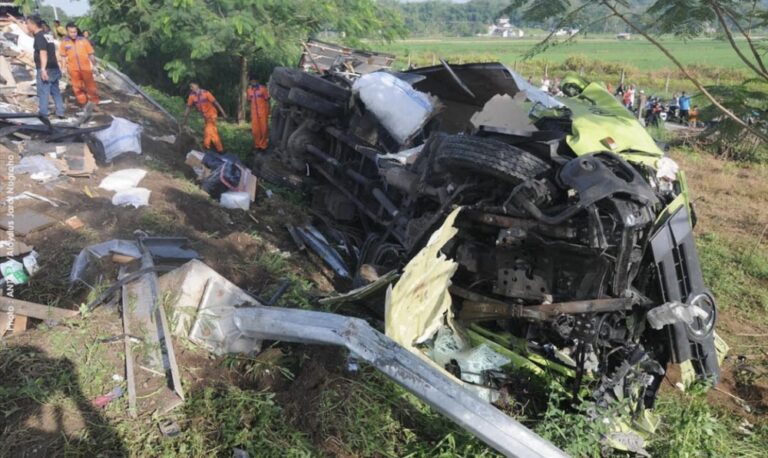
71,7
80,7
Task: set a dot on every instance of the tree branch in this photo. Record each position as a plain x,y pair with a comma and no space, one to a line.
728,113
551,34
747,35
729,35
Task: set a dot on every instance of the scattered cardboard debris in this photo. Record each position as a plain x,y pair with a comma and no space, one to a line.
74,222
26,221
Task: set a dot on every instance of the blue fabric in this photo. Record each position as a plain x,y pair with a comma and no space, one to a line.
685,103
48,88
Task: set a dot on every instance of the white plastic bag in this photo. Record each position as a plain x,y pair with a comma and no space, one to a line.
123,136
400,108
39,168
241,200
123,179
135,197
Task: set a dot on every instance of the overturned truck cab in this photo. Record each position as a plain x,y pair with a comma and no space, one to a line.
576,231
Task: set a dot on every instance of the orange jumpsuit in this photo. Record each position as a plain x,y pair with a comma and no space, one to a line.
203,101
78,52
259,97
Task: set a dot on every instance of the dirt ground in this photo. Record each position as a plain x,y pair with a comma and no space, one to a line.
253,250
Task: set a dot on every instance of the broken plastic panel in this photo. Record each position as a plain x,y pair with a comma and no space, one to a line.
213,312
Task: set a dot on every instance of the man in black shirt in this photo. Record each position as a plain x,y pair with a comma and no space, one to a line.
48,71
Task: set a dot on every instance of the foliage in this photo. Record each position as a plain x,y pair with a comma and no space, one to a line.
748,101
167,43
683,18
435,17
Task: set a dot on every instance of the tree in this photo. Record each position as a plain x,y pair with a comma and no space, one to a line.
220,42
684,18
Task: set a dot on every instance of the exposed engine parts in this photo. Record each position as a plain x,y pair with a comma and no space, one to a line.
566,247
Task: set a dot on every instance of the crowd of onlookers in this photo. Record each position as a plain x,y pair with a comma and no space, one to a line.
650,109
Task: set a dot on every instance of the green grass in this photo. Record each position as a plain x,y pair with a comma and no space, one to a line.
369,415
597,59
637,52
737,272
217,419
236,138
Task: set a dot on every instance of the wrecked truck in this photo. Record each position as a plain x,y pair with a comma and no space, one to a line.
576,231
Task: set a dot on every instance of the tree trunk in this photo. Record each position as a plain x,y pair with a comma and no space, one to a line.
241,99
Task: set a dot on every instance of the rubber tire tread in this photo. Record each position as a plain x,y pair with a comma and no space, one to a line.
278,92
289,77
461,153
313,102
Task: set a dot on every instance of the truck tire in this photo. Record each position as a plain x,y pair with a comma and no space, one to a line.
459,154
278,92
313,102
290,77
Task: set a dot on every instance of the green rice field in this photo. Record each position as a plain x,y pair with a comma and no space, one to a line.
637,52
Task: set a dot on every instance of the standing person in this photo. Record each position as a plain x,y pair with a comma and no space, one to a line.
693,116
48,71
685,106
629,97
259,98
79,60
209,107
58,30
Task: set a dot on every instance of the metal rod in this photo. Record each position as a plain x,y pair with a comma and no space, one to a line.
411,371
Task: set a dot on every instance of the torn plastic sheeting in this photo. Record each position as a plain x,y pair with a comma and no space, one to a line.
400,108
674,312
134,197
38,167
420,303
122,136
122,179
101,250
473,362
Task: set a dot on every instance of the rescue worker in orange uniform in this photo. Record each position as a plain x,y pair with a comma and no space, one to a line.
79,60
259,98
209,107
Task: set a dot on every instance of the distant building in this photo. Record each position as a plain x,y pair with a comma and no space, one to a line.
624,36
568,32
503,28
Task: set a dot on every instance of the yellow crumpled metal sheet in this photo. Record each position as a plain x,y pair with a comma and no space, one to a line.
419,304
